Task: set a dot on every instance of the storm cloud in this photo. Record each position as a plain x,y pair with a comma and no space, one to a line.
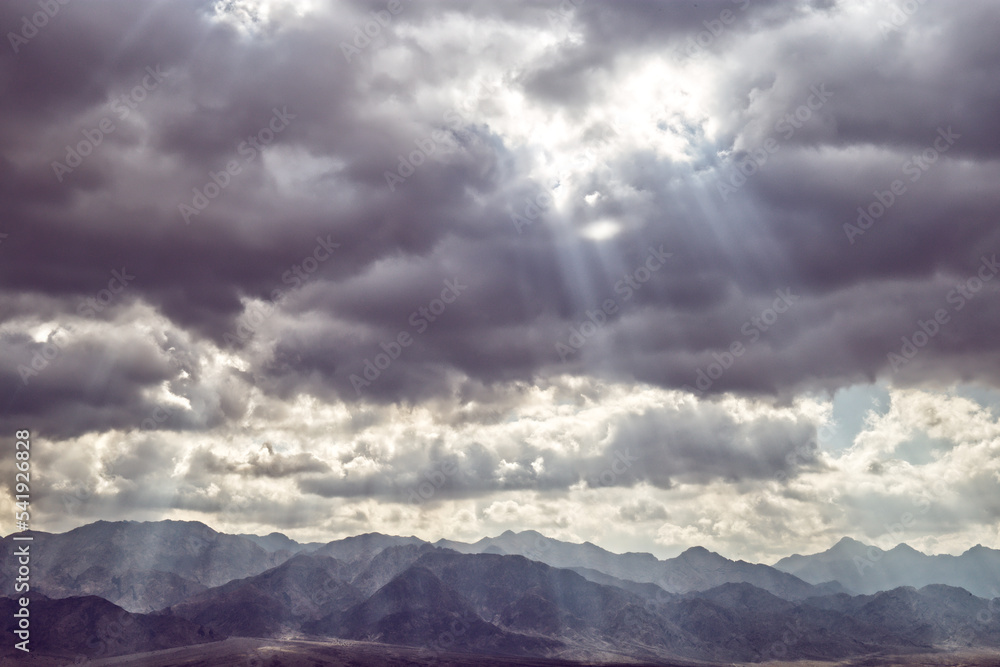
384,231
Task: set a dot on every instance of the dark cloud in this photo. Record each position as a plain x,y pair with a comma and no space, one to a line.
690,443
608,127
323,176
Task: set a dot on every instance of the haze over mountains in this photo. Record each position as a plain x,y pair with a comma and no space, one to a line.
518,594
138,566
867,569
695,569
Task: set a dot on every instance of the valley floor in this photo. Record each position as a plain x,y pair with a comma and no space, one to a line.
956,658
252,652
249,652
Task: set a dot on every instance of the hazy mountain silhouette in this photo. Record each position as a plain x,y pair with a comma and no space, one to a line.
862,568
511,605
363,546
138,566
278,601
484,600
280,542
695,569
417,609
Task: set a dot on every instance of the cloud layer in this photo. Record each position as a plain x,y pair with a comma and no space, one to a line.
387,230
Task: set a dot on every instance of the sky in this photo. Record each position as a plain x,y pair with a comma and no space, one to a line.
646,274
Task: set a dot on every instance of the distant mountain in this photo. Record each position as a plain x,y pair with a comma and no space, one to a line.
510,605
472,602
933,615
531,597
700,569
138,566
319,595
645,590
277,602
386,565
362,547
862,568
279,542
535,546
151,565
483,599
695,569
93,627
417,609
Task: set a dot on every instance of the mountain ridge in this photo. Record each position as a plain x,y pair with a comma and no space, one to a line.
484,599
866,569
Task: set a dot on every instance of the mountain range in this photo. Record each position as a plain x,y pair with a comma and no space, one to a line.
863,568
139,566
174,583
